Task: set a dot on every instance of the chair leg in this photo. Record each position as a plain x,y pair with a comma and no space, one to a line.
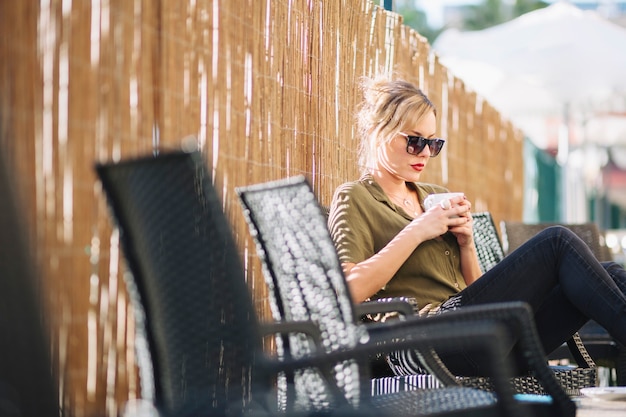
620,366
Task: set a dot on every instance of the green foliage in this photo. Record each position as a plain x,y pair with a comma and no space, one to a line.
484,15
415,18
525,6
494,12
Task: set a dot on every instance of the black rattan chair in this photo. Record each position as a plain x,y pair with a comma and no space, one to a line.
604,350
28,387
306,283
184,275
203,354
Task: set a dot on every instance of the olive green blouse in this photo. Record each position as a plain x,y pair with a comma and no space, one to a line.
363,220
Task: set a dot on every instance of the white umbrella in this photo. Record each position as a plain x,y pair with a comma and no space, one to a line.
556,63
540,61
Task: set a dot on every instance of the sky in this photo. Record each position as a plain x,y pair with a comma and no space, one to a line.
434,8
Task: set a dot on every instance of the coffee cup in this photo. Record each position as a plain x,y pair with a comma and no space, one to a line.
434,199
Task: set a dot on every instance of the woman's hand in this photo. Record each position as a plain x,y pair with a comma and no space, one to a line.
464,230
431,224
441,218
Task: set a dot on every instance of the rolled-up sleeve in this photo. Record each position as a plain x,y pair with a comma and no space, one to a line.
348,226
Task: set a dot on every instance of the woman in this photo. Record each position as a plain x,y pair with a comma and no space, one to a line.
390,246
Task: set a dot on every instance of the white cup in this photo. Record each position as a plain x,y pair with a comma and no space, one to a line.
434,199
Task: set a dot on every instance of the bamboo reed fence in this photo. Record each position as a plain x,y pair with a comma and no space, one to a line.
265,88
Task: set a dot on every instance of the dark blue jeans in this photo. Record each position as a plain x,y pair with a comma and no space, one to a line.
557,274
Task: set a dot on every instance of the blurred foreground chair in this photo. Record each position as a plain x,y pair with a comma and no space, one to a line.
605,350
28,387
201,351
306,283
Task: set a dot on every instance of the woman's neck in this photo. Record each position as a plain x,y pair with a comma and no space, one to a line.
399,193
391,185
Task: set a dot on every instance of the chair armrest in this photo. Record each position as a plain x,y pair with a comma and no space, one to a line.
579,352
399,305
490,328
405,307
489,336
308,328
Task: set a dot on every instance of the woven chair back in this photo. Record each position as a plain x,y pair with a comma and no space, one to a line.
515,233
306,282
186,282
487,240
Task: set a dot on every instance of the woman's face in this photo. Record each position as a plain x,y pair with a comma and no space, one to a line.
394,160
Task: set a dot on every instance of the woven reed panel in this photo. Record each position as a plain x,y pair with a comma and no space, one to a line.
264,88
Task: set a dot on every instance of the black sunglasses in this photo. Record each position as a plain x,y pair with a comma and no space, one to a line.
416,144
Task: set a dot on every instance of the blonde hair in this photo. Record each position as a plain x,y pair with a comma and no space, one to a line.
388,106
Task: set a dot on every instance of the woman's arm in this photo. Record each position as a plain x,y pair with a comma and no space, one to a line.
470,268
366,278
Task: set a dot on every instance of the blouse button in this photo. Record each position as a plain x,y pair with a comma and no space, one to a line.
447,252
456,284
